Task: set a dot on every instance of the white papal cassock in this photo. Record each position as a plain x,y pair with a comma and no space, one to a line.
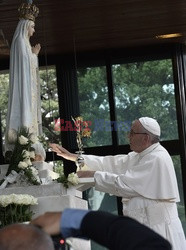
147,183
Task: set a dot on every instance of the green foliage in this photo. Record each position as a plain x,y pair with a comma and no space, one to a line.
140,89
94,106
29,175
15,213
49,104
18,151
58,167
62,177
64,180
146,89
4,85
21,154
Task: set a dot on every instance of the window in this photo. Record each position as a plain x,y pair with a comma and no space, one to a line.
181,206
94,105
49,102
145,89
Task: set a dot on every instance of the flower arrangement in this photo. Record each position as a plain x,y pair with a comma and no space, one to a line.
82,131
16,208
71,179
20,159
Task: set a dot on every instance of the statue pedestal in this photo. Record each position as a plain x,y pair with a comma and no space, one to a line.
54,197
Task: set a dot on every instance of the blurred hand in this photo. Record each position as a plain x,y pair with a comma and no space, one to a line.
36,49
63,152
49,222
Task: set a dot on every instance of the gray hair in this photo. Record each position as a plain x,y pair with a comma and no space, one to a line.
153,138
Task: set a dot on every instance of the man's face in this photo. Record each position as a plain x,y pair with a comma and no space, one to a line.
137,137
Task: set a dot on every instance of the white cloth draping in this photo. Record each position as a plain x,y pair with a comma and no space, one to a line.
147,183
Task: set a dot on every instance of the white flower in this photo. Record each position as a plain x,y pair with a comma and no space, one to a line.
27,161
33,138
32,154
35,174
73,178
34,171
22,164
23,140
5,200
20,199
26,153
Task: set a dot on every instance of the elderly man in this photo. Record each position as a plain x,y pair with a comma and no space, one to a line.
144,178
21,237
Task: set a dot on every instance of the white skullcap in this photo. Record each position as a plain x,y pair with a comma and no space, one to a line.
150,125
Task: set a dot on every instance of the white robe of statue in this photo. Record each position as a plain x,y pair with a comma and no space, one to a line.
147,183
24,107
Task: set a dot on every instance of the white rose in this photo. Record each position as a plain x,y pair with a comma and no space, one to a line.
73,178
22,164
33,200
33,138
5,200
23,140
26,153
27,161
32,154
24,199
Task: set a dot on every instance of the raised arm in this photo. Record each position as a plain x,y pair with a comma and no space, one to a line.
60,151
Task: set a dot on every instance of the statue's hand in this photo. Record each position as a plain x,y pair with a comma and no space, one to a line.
36,49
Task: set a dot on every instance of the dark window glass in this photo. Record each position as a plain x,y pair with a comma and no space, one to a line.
181,207
49,105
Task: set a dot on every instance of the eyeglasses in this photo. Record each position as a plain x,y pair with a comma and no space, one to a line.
131,133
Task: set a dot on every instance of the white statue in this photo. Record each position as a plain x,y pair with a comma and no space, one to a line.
24,105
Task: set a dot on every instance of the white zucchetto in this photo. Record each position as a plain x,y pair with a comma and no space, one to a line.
150,125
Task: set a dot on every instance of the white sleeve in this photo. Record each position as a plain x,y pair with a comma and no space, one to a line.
114,164
113,184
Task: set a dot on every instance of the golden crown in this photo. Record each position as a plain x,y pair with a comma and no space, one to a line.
28,11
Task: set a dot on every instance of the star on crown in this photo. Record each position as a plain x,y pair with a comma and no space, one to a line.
28,11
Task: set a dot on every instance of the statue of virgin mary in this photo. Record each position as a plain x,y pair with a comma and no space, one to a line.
24,103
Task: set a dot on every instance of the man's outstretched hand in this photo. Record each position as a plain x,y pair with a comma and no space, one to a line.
49,222
60,151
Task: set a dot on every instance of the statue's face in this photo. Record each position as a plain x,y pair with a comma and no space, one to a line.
31,29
